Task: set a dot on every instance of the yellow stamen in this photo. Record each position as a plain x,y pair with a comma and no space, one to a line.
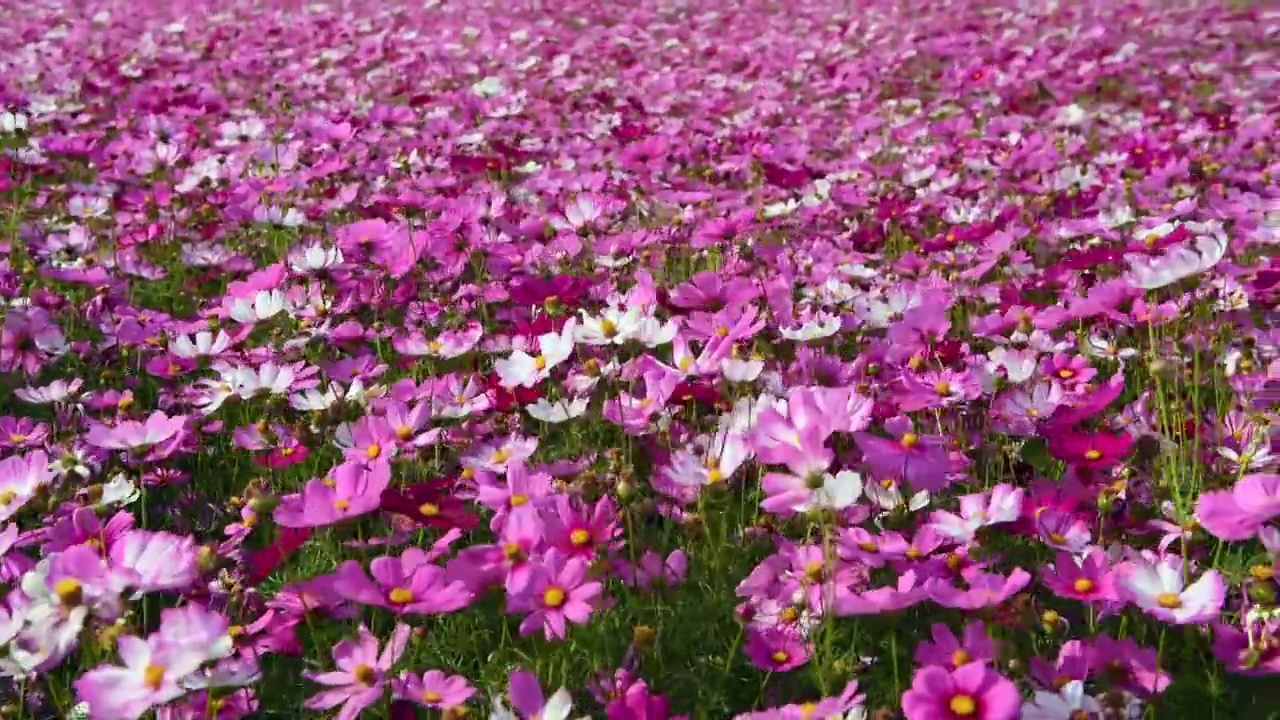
153,676
553,597
963,705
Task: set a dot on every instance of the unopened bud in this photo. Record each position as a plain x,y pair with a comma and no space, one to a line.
642,637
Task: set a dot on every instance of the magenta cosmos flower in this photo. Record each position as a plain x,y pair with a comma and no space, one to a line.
361,675
556,593
970,692
353,489
1095,451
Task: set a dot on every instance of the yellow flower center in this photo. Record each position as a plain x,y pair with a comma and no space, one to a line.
17,438
288,451
540,362
365,675
942,387
868,547
429,509
963,705
1057,538
553,597
435,346
1262,573
714,475
431,697
400,595
8,496
511,552
341,505
686,363
373,451
813,570
1092,455
780,656
404,432
153,676
910,440
1169,601
499,456
608,328
1082,585
722,331
913,552
519,500
1066,373
69,592
580,538
960,657
329,482
789,615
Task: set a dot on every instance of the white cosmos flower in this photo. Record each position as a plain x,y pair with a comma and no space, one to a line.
525,370
613,327
202,344
316,257
821,325
1069,703
557,412
1180,262
263,305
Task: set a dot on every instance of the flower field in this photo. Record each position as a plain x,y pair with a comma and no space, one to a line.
639,360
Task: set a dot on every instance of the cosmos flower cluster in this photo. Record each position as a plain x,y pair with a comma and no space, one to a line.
754,359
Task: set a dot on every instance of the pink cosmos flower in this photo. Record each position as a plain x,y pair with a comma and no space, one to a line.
978,510
652,570
433,689
775,649
528,702
155,669
1239,513
159,433
150,677
1088,579
21,476
985,589
908,591
1159,589
351,490
1070,371
408,585
521,491
13,565
969,692
361,675
557,592
948,651
1096,451
83,526
156,560
923,461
